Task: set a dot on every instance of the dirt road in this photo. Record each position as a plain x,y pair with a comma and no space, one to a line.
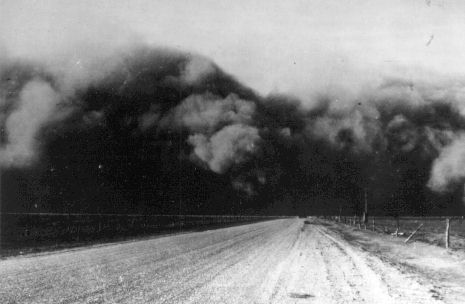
282,261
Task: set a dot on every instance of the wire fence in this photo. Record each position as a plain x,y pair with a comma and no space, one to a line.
445,231
36,230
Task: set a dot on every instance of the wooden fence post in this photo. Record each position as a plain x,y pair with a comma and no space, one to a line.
365,211
397,226
99,223
413,233
68,228
373,223
447,232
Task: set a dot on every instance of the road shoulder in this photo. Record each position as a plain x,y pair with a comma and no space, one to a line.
441,269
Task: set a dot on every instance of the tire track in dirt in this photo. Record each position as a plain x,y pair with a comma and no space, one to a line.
385,283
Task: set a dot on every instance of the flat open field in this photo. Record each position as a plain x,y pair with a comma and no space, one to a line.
280,261
32,232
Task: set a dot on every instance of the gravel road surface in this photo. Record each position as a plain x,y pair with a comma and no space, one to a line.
280,261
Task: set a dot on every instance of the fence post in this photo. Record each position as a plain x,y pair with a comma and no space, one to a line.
447,232
78,231
373,223
413,233
68,230
365,211
397,226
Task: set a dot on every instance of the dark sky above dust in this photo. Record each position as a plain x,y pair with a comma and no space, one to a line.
106,120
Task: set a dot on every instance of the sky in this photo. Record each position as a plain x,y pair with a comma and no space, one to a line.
273,46
345,95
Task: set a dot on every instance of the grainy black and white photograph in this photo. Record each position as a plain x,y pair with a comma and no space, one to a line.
232,152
